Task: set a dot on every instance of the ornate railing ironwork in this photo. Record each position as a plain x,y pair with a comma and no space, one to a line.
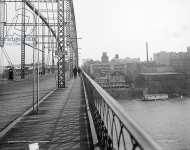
115,129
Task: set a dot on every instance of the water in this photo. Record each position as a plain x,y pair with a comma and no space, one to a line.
168,122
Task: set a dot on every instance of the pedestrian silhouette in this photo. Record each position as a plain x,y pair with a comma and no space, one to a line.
75,72
11,75
79,71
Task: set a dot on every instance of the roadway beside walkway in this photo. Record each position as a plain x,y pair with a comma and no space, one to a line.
62,123
17,96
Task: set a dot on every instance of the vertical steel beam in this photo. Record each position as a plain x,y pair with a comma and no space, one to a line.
43,50
52,47
23,42
48,47
34,65
68,35
2,23
74,34
61,44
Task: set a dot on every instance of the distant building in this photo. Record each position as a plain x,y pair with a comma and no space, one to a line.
180,61
188,51
119,67
102,70
165,58
116,56
168,82
102,80
87,66
131,60
105,68
181,64
162,58
99,69
117,77
104,58
134,69
125,60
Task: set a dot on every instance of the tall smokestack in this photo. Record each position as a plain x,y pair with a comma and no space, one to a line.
147,51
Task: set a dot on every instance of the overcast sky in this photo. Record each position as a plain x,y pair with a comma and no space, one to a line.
123,26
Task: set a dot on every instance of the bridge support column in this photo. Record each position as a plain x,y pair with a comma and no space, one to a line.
61,44
23,43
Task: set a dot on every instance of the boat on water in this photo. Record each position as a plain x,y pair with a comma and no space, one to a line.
150,97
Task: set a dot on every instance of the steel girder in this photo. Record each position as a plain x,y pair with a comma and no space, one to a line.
61,43
71,36
23,43
66,36
68,31
67,39
74,34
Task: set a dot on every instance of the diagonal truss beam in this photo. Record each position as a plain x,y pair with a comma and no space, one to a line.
36,11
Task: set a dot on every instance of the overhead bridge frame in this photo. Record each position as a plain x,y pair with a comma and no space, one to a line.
65,26
36,11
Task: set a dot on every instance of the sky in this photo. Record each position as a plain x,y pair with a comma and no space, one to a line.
123,26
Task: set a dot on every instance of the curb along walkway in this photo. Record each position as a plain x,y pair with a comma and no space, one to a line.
61,123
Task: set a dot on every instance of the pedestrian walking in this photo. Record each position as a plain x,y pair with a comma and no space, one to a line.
79,71
75,72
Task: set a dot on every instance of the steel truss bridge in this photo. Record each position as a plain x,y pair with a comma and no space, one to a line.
51,26
48,28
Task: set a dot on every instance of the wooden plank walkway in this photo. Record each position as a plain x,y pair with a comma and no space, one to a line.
61,123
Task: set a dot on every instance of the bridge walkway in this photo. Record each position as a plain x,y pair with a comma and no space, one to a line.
61,123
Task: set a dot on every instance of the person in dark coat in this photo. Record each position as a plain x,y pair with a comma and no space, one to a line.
11,74
75,72
79,71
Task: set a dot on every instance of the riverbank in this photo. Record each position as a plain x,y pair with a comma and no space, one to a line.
125,93
134,94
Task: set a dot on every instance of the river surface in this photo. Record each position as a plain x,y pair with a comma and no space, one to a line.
168,122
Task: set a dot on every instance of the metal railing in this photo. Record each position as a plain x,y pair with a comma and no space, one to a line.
114,128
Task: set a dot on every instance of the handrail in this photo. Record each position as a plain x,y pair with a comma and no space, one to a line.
139,138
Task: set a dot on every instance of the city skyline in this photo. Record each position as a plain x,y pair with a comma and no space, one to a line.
126,26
